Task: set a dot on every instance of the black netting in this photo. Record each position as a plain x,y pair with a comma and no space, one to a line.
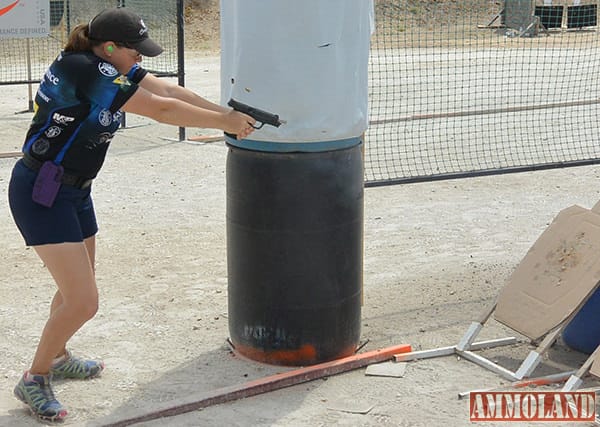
25,60
477,86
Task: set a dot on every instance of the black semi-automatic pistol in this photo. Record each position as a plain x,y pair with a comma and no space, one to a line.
263,117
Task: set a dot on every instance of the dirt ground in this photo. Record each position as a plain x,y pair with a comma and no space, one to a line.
436,254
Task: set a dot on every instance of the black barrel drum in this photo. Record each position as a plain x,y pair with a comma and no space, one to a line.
294,254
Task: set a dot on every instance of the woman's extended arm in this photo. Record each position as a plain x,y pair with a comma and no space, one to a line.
169,89
186,109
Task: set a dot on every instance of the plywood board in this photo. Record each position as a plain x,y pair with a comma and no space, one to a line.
595,369
387,369
556,277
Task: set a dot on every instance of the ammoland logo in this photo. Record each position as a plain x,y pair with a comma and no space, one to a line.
532,406
6,9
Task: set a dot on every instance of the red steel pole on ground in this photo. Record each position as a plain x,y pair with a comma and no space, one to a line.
264,385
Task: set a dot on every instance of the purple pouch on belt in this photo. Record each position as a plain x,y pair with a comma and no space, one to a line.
47,184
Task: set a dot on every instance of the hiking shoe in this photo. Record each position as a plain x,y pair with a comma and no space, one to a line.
74,367
35,391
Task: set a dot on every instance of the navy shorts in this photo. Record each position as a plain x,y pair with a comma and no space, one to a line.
70,219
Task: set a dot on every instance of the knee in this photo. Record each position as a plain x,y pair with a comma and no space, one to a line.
85,308
89,308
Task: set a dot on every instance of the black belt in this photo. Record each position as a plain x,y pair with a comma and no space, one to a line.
67,179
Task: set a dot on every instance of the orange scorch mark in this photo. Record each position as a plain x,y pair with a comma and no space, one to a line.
303,356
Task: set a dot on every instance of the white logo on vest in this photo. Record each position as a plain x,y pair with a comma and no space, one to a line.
105,118
107,69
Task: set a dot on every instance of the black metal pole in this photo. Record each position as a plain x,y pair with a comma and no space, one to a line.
68,4
180,54
121,3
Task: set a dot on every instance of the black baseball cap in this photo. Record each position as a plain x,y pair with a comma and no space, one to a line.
121,25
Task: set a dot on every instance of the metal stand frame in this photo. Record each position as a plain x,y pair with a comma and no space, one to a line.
466,348
575,381
494,19
543,341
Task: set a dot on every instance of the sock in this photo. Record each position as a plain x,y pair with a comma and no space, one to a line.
29,377
57,361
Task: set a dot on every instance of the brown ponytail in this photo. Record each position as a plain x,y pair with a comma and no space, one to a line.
79,40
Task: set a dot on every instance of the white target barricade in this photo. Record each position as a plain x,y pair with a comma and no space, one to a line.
547,289
295,191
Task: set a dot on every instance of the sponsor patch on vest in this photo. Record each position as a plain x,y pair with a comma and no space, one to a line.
40,146
123,82
105,118
62,120
107,69
53,131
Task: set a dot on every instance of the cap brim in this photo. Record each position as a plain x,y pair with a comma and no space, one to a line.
147,47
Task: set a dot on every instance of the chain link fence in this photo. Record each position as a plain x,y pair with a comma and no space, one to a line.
457,88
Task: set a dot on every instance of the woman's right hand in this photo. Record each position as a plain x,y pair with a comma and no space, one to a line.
239,124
